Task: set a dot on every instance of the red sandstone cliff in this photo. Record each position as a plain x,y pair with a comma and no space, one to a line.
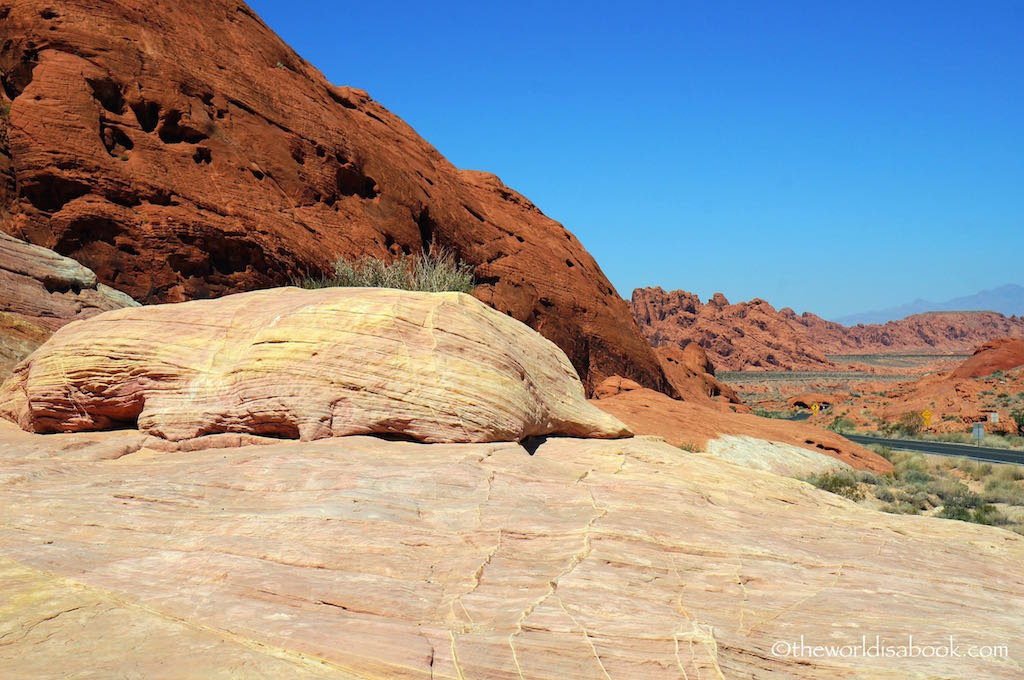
182,150
754,335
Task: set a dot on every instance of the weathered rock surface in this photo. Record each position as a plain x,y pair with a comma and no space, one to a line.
182,150
775,457
695,425
692,375
755,336
1001,354
357,557
306,364
40,291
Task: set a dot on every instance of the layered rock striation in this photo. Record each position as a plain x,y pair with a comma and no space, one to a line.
40,291
306,364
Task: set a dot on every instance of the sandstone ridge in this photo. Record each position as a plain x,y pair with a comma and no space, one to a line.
306,364
355,557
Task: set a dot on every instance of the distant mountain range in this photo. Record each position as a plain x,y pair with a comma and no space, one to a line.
1008,300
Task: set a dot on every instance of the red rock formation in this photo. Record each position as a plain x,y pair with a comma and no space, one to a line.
748,335
995,355
990,381
693,376
754,335
182,150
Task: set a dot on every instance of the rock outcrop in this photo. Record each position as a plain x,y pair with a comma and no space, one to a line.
694,425
995,355
358,557
692,375
40,291
991,381
182,150
775,457
306,364
744,336
755,336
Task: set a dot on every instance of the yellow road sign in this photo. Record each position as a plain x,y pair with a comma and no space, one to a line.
815,408
927,416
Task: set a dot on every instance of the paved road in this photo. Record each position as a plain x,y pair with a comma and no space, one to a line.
982,453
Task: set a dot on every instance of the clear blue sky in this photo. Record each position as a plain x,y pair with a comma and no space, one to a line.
832,157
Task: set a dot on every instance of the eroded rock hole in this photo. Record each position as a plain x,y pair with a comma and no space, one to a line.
116,140
147,113
351,182
108,94
474,213
202,156
173,131
50,193
427,227
297,151
18,77
86,230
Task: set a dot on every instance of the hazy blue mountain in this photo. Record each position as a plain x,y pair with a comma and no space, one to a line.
1008,300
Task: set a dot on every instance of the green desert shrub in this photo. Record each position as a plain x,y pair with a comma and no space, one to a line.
1004,491
842,483
841,424
1017,415
885,494
866,477
769,413
900,509
1012,473
434,272
883,451
981,514
950,490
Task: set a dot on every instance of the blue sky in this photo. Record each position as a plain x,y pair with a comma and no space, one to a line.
832,157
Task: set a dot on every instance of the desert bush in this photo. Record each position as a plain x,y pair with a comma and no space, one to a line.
885,494
883,451
955,512
434,272
1017,415
841,424
950,490
842,483
769,413
982,514
866,477
1004,491
900,509
911,468
910,423
1011,473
